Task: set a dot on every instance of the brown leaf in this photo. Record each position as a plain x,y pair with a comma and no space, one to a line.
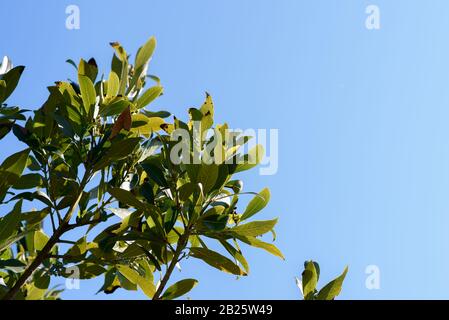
123,122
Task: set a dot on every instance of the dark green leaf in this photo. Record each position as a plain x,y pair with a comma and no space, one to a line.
28,181
10,222
11,78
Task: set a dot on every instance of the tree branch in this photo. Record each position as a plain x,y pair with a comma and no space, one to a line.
182,242
43,254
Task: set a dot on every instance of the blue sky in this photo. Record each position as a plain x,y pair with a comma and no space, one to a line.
362,115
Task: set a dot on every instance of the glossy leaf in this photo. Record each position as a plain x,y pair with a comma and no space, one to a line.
309,281
11,79
216,260
256,204
87,93
28,181
252,241
179,289
208,175
148,96
145,126
113,85
255,228
9,224
333,288
146,284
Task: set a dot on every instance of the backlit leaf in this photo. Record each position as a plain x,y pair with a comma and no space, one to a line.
216,260
256,204
178,289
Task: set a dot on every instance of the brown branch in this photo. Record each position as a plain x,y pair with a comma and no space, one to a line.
43,254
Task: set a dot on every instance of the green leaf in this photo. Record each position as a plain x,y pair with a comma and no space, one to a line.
214,219
208,175
65,125
309,281
113,85
250,160
185,191
2,90
237,254
71,62
144,54
9,224
256,204
31,196
84,270
170,219
179,289
122,149
252,241
159,114
13,166
126,197
40,240
69,94
148,96
11,78
121,53
115,107
207,110
144,282
333,288
13,265
255,228
144,125
41,279
120,66
118,150
216,260
88,69
34,217
79,248
28,181
13,239
155,172
34,293
87,93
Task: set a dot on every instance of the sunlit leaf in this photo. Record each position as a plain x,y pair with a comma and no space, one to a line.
256,204
333,288
309,281
178,289
216,260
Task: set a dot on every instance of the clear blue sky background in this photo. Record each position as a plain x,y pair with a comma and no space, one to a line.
363,116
